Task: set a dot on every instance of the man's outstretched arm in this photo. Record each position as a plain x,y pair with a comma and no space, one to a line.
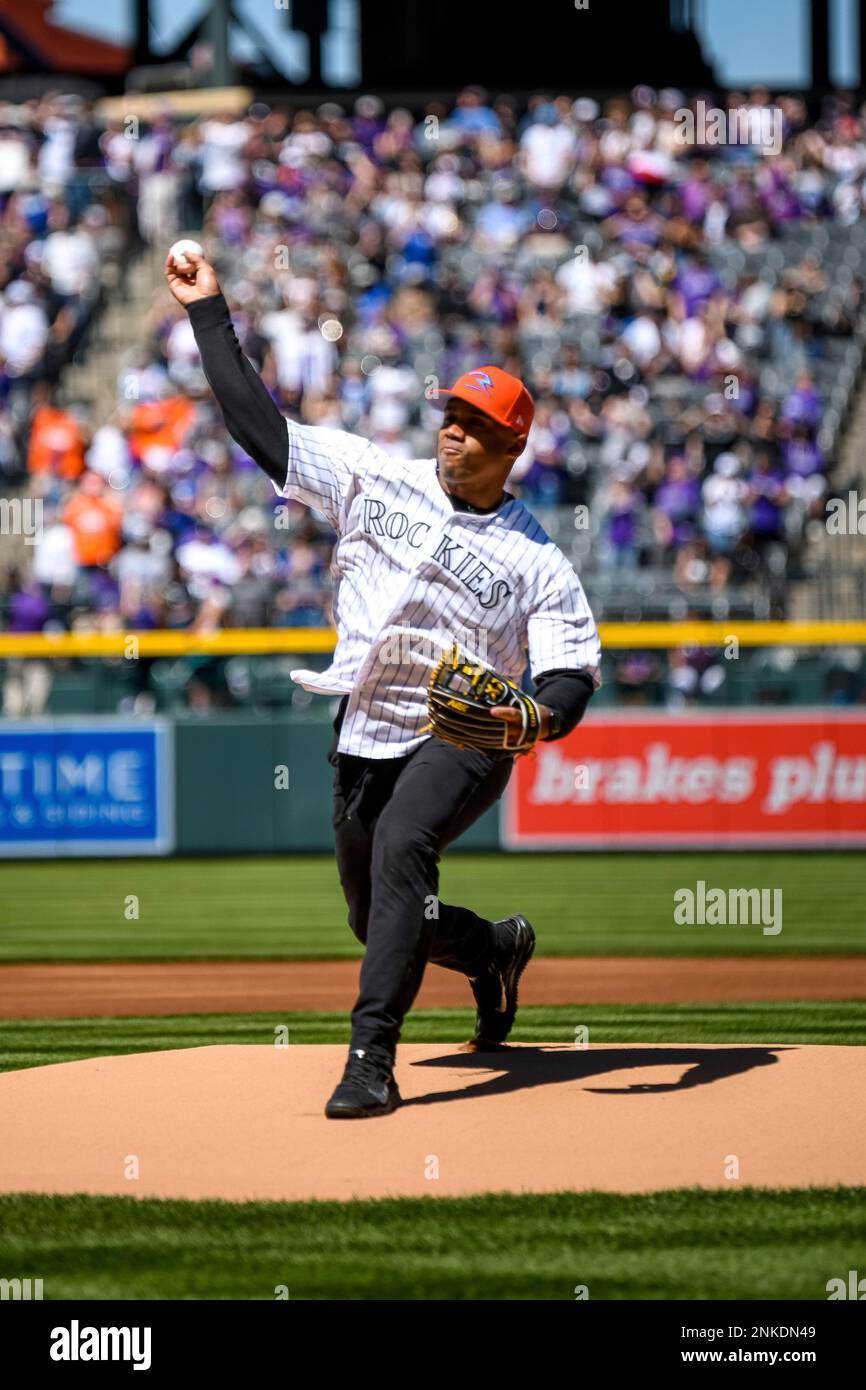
252,419
313,464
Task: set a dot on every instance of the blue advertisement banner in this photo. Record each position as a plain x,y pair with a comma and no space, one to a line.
86,786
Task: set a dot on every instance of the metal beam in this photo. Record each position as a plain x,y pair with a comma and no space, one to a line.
216,31
819,32
141,44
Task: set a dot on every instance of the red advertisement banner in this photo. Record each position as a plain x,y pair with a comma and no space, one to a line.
752,778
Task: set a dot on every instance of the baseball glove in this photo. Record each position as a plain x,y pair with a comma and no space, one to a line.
460,695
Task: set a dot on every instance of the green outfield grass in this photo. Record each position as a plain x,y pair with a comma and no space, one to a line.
38,1042
750,1243
292,908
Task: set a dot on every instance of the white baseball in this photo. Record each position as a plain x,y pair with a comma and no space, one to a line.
182,248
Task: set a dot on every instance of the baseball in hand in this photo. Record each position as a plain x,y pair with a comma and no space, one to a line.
178,252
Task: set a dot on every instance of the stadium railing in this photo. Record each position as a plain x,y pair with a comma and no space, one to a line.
661,664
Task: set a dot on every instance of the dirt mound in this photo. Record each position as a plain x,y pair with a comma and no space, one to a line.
246,1122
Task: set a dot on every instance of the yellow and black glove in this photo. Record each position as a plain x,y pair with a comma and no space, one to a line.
460,695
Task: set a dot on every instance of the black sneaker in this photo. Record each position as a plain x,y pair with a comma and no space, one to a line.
367,1088
496,990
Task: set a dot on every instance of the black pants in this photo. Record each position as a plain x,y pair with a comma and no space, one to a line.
393,817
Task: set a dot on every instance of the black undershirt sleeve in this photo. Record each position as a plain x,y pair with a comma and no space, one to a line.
568,693
252,419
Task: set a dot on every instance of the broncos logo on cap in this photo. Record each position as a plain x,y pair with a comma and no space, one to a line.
482,382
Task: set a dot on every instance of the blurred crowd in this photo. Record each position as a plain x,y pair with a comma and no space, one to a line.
64,230
370,253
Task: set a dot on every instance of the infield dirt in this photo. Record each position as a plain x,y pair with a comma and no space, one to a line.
87,990
243,1122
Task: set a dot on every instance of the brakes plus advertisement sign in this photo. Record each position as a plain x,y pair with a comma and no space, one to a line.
754,778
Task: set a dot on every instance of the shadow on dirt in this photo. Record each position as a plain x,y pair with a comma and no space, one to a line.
521,1068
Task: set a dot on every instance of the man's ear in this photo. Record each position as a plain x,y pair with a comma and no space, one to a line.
516,447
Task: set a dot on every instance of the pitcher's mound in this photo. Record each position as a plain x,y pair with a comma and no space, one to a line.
246,1122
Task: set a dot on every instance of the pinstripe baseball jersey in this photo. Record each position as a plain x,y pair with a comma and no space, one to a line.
411,574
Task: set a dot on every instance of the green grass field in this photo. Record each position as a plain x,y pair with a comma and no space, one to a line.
741,1243
292,908
685,1244
39,1042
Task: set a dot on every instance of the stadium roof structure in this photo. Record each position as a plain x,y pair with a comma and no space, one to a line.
568,46
31,42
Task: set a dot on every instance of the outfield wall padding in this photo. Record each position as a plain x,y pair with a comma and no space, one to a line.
231,795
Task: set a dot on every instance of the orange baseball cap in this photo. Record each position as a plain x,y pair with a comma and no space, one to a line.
496,393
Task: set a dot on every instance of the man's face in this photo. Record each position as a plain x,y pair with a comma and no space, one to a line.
473,448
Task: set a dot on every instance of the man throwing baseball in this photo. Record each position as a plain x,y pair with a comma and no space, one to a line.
428,726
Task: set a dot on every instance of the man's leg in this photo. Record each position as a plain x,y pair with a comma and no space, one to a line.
361,790
432,793
462,940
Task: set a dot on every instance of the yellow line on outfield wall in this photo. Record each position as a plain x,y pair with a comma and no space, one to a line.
262,640
748,634
167,642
